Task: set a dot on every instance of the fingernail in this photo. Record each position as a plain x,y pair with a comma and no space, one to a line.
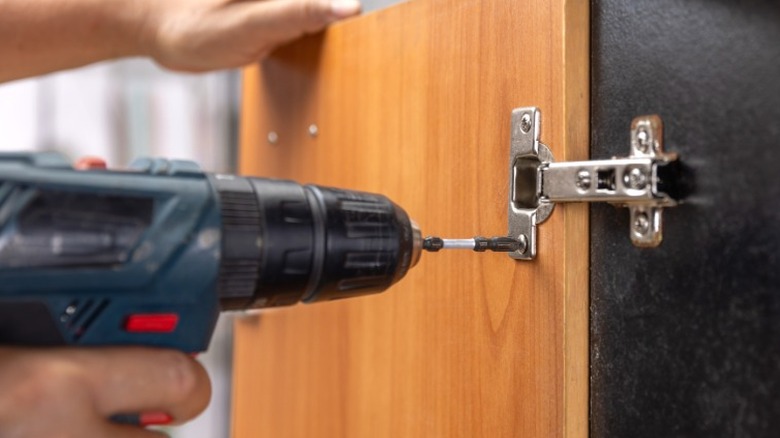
155,419
344,8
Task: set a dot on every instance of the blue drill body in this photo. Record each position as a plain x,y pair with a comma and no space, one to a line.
165,263
139,257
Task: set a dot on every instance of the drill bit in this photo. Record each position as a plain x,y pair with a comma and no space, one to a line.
477,244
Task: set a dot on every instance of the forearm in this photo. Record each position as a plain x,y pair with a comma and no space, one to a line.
42,36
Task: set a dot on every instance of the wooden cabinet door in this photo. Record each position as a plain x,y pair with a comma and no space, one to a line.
414,102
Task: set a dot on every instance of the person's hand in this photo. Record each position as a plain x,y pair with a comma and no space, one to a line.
68,392
42,36
201,35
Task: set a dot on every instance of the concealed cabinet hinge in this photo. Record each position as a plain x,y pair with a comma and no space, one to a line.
643,182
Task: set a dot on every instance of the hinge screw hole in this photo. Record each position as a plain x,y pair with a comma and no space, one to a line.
641,223
643,140
635,178
525,123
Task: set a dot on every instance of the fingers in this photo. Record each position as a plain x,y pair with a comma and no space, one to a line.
74,392
284,20
235,33
137,380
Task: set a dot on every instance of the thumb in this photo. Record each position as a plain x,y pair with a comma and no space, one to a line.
137,380
280,21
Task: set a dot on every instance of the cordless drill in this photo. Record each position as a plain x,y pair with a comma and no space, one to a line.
150,255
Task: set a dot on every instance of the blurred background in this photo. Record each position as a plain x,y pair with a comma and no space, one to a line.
122,110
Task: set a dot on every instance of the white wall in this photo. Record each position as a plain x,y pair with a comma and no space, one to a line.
122,110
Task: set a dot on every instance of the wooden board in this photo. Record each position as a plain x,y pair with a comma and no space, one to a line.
414,102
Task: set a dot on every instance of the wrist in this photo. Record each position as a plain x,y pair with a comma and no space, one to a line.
133,32
150,28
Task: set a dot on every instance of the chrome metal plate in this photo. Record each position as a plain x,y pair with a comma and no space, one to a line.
526,159
647,140
537,183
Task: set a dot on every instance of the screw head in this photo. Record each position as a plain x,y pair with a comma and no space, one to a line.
583,180
273,137
523,244
313,130
641,223
643,140
525,123
635,179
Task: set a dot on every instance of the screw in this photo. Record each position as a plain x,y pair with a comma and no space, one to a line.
583,180
643,139
641,223
273,137
523,242
525,123
313,130
635,179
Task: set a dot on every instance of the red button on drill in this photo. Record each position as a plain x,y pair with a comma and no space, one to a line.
152,323
154,419
90,163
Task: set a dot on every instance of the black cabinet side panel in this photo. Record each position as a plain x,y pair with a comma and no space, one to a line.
685,339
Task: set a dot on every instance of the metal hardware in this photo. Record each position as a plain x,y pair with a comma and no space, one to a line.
537,183
526,209
314,130
273,137
477,244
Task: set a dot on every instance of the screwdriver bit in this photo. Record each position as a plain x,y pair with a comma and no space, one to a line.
477,244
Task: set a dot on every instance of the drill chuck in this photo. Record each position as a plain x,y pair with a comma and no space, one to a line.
283,242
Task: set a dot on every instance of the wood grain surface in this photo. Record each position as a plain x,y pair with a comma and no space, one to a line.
414,102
